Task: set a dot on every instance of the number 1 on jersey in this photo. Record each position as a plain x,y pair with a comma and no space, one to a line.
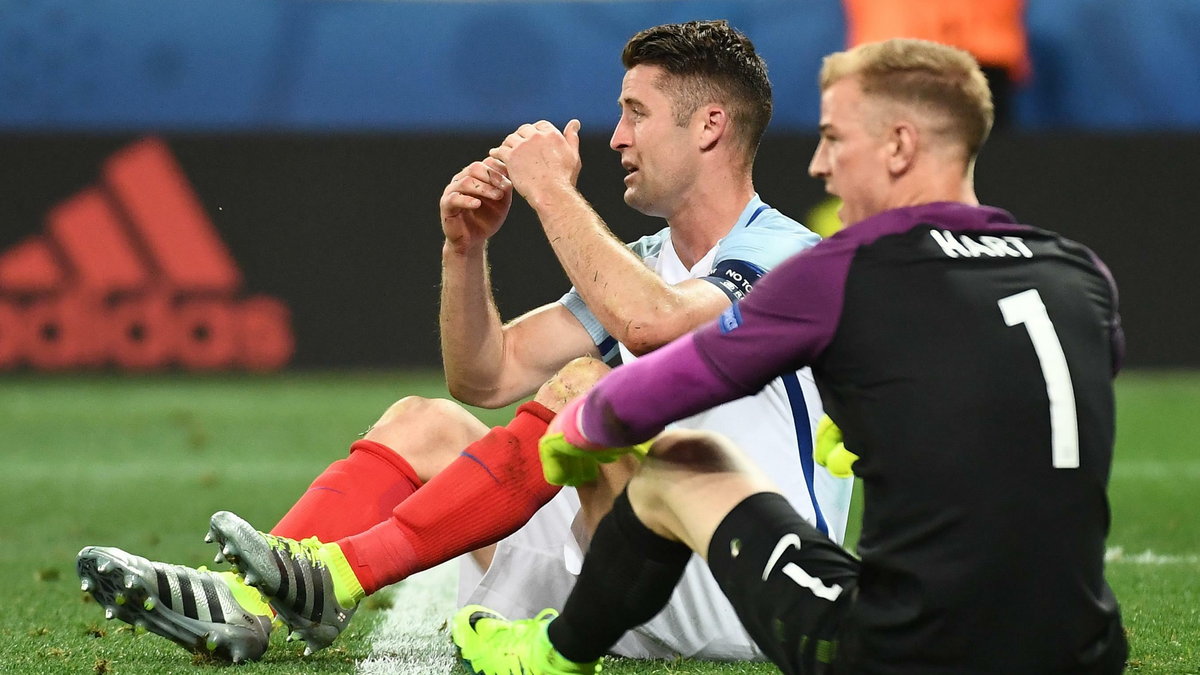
1027,308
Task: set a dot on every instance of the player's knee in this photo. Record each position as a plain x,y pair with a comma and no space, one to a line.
428,432
691,450
411,409
570,381
689,481
676,456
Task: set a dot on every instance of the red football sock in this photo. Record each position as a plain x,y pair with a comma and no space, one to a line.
491,490
352,495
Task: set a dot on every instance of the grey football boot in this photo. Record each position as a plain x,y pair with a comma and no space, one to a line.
308,583
202,611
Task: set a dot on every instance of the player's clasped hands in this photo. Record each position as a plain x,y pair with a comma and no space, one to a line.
475,203
540,156
566,464
568,458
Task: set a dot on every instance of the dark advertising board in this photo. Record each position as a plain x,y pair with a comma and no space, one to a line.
242,252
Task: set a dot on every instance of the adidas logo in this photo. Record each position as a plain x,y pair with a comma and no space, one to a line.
131,273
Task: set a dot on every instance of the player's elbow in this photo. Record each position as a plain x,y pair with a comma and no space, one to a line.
479,398
461,391
642,336
475,394
640,346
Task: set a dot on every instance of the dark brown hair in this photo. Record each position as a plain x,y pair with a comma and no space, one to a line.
708,62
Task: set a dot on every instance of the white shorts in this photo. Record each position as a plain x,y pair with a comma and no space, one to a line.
536,567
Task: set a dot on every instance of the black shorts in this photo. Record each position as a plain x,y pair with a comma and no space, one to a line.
790,584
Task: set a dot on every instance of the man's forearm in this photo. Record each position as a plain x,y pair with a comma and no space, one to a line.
471,331
620,290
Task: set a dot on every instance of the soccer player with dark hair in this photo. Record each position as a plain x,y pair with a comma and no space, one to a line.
968,361
429,482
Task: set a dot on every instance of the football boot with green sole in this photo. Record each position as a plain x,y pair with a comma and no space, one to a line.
489,644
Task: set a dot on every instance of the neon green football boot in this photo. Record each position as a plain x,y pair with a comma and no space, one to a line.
489,644
308,583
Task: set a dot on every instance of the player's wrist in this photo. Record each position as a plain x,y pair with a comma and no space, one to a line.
463,247
551,194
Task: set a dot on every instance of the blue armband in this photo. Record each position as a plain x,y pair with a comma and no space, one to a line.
735,277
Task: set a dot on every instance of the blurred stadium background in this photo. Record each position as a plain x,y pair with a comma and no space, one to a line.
250,187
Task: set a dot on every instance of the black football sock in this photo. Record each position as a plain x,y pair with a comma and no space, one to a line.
628,575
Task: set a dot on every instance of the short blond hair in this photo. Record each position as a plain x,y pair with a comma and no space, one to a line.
925,75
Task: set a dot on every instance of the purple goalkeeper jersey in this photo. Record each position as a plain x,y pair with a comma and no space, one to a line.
786,327
968,361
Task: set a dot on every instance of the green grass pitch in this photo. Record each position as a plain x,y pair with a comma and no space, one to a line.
141,462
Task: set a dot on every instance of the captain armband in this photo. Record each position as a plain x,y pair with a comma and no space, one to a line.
735,277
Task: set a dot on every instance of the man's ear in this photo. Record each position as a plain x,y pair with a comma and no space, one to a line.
716,126
903,139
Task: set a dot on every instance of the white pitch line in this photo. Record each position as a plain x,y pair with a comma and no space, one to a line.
1117,554
414,638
